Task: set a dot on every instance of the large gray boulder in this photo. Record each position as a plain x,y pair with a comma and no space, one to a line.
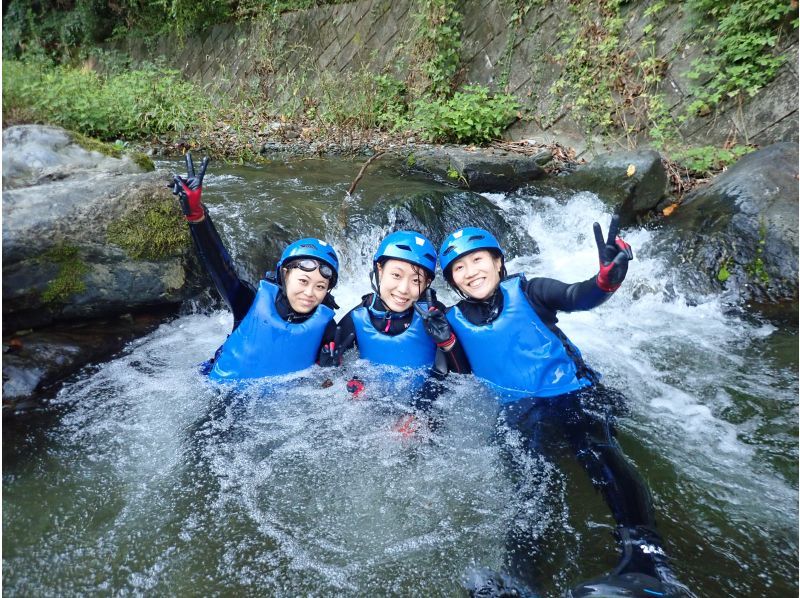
740,233
632,182
85,234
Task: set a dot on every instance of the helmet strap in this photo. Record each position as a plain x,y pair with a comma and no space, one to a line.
374,279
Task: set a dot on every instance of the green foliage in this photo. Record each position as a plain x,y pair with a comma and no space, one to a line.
69,280
723,273
153,232
358,100
437,48
610,85
254,9
470,116
742,36
61,28
708,160
133,105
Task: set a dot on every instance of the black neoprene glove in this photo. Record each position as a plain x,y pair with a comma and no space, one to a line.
435,322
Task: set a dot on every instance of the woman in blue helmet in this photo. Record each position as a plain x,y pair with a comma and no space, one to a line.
385,327
507,335
278,327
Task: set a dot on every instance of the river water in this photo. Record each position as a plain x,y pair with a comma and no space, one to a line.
141,478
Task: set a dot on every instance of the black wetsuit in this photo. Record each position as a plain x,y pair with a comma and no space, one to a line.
239,294
583,419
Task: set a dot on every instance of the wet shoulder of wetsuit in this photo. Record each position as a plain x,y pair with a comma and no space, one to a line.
237,293
548,296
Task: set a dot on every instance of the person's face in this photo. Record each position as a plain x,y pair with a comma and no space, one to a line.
477,274
401,284
304,290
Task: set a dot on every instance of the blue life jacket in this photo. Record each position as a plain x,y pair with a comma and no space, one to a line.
412,348
264,344
517,355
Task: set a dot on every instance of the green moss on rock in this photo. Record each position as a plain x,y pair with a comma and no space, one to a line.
153,231
69,280
95,145
115,151
143,161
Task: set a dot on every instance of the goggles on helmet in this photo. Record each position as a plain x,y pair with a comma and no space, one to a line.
309,265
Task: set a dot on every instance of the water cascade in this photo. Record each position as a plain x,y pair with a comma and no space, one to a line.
147,480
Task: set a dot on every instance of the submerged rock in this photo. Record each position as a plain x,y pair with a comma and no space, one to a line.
35,361
436,214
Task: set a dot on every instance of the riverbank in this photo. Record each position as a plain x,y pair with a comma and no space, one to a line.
265,140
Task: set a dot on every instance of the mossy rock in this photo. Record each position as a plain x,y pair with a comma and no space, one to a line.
154,230
90,144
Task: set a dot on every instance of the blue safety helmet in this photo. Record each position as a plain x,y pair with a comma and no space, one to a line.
314,249
408,246
464,241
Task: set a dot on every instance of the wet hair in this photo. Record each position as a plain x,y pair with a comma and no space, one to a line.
423,273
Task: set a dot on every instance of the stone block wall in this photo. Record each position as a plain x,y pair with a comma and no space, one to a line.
285,61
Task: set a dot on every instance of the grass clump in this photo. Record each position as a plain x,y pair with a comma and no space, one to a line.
138,104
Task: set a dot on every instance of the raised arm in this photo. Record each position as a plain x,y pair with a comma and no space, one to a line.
215,258
613,254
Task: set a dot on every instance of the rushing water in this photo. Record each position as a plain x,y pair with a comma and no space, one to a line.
144,479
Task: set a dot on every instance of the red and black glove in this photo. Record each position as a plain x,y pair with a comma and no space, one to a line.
190,189
355,387
330,354
435,322
614,256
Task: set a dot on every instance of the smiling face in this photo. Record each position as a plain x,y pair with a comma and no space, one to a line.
401,284
304,290
477,274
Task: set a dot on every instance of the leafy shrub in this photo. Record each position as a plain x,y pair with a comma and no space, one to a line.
470,116
133,105
742,35
708,160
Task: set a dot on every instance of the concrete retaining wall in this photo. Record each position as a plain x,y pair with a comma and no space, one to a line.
284,60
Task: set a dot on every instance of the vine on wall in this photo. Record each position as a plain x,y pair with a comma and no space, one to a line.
743,36
436,49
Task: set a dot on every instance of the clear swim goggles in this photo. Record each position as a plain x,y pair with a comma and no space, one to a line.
309,265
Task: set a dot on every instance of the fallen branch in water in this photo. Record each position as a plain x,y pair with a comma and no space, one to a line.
342,215
361,172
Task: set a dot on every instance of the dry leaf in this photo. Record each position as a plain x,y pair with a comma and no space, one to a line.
669,209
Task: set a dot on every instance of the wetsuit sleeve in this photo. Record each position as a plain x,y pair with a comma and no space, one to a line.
215,258
348,331
548,294
456,359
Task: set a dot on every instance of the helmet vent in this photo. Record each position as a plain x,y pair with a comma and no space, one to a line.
403,247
